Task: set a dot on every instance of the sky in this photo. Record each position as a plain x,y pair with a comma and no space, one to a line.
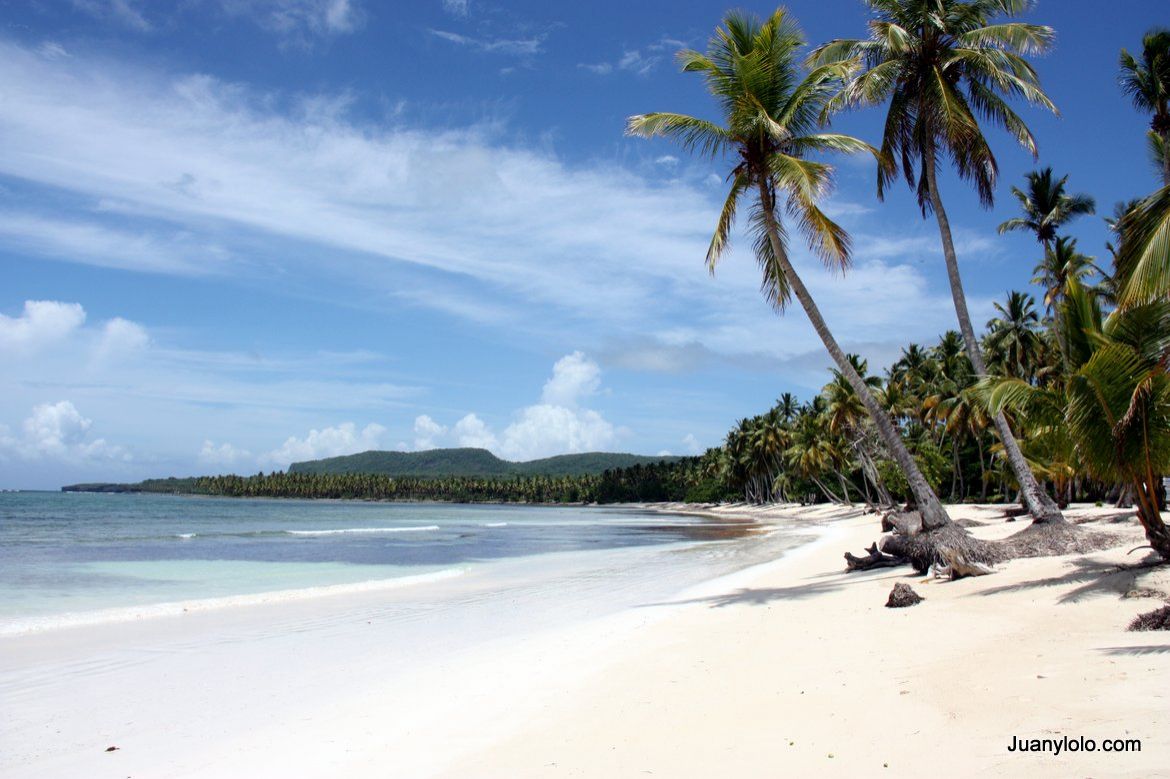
236,234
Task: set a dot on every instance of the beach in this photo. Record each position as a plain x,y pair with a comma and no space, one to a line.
789,667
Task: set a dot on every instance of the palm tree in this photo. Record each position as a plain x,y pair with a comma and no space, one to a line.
1013,337
1046,207
1143,253
1061,263
943,65
770,121
1147,82
1114,403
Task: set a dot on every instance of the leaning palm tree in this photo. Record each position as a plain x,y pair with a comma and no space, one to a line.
943,65
1046,207
1147,82
770,122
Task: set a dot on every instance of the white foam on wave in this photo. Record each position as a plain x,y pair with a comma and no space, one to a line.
185,536
495,524
415,529
178,608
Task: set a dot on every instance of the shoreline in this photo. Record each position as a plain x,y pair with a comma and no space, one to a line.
782,666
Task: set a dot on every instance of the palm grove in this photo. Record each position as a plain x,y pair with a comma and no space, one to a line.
1065,394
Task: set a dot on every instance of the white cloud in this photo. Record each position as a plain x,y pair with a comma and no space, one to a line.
52,50
556,425
296,20
121,337
326,442
42,322
474,432
638,61
58,431
123,12
427,432
667,159
222,455
574,377
458,8
691,444
523,47
545,430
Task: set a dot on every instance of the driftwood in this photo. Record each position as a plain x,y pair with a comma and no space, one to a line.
903,596
1015,511
874,558
955,565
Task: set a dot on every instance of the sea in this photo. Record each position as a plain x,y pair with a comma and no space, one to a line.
73,559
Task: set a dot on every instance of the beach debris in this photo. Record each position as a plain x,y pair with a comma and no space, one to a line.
1144,592
955,565
1158,619
112,749
874,558
902,596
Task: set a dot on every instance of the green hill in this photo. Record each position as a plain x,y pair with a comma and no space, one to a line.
439,463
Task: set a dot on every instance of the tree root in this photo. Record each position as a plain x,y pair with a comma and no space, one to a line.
873,559
922,549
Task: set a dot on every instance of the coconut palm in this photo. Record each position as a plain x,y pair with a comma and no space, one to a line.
1143,253
1113,406
770,122
1013,337
1147,82
1061,263
943,65
1046,207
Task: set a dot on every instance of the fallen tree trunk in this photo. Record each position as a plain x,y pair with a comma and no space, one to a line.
874,558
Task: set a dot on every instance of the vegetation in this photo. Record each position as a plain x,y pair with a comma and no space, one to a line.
441,463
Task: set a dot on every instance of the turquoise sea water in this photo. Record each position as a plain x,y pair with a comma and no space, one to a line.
67,557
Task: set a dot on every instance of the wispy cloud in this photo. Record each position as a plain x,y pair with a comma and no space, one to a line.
639,61
187,174
520,47
126,13
457,8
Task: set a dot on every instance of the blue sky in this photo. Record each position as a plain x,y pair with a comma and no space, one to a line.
237,233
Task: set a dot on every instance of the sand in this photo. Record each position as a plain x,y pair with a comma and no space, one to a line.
792,668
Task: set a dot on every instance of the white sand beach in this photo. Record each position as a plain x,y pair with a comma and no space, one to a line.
792,668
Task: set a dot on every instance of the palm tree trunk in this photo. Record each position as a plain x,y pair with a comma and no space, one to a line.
1042,507
932,512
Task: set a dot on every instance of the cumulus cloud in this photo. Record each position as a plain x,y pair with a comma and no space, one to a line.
545,430
58,431
474,432
691,444
574,377
326,442
427,432
558,424
222,455
42,322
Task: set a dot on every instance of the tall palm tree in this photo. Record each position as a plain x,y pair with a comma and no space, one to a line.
1013,337
771,118
1046,207
943,65
1147,82
1061,263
